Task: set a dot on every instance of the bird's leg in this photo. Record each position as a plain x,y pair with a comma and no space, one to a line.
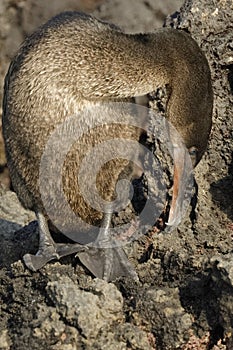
104,240
105,260
48,249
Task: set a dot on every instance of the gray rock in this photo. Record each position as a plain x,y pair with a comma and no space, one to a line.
167,318
136,15
89,310
224,266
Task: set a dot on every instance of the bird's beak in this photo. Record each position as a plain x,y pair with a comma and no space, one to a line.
181,182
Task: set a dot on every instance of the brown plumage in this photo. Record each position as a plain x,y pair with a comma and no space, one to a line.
75,61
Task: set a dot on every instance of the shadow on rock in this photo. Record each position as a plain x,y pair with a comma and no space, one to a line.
222,192
209,298
17,242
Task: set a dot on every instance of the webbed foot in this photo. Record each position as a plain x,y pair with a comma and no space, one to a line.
104,259
107,263
48,249
35,262
54,252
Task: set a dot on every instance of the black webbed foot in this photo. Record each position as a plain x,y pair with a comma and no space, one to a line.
104,259
107,263
35,262
55,252
48,249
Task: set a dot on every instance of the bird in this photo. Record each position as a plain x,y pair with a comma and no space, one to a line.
69,66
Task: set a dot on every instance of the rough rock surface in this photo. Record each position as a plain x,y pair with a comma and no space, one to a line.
135,15
184,299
